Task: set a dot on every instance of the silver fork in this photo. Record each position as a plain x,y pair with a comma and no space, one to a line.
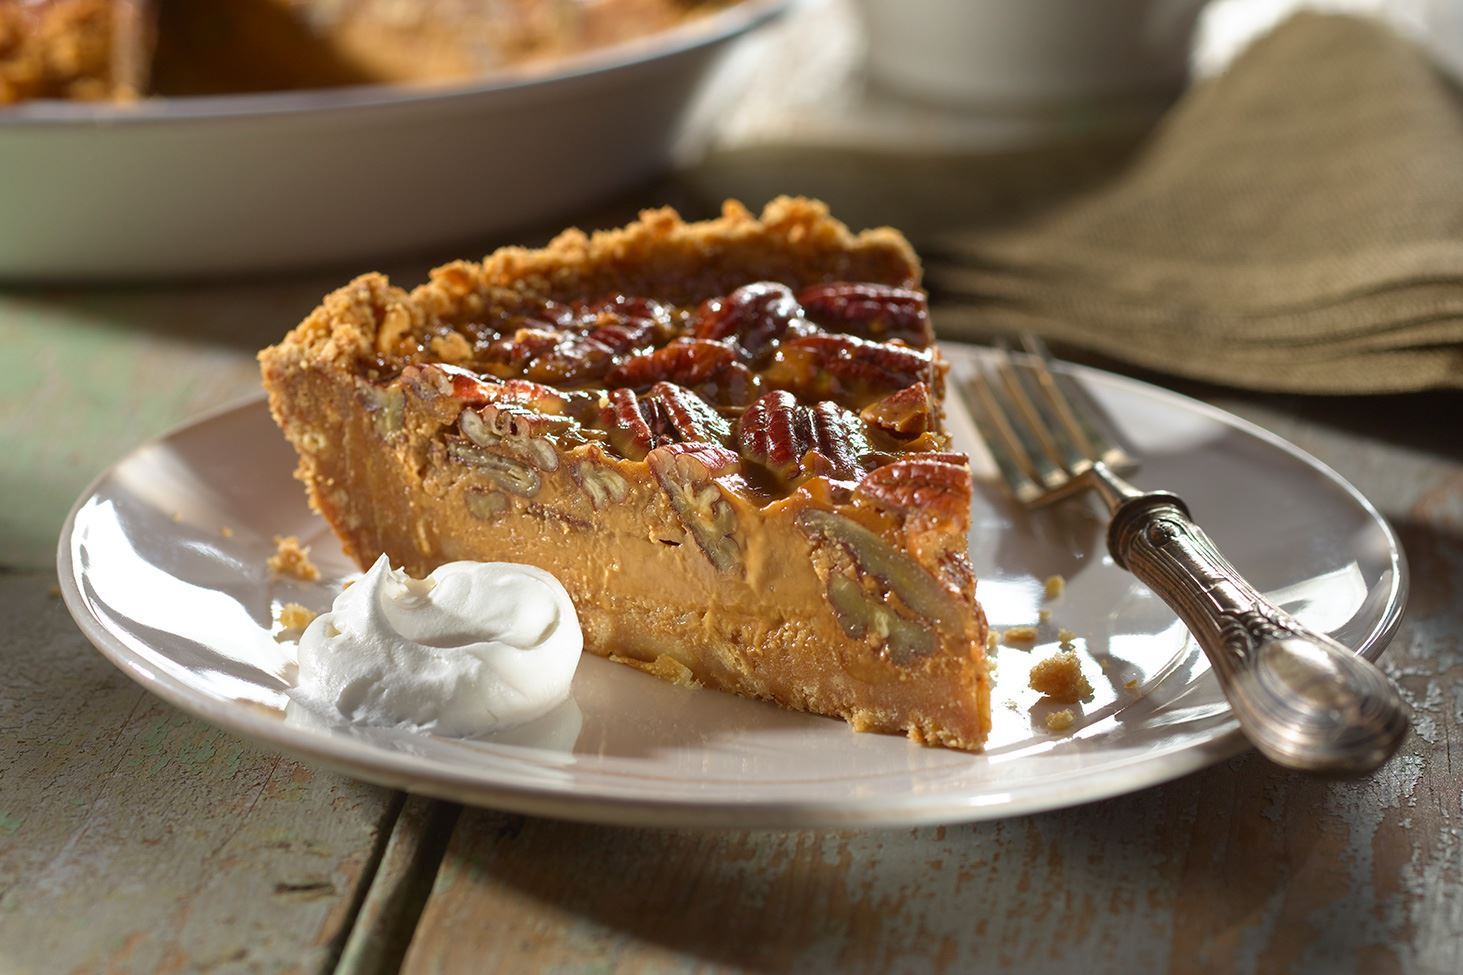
1303,699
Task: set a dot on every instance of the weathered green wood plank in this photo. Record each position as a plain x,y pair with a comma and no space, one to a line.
399,888
88,375
135,839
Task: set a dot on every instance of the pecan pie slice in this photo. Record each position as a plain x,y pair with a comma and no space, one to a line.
725,438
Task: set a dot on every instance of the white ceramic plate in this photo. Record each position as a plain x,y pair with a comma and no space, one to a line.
162,562
171,187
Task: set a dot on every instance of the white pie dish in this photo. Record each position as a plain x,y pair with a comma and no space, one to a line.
207,186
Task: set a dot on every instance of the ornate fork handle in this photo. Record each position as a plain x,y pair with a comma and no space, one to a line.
1302,698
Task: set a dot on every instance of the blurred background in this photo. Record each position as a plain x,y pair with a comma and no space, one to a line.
166,140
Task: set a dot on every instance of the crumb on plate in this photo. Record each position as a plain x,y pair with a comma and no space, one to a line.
1054,586
1060,678
992,640
290,558
665,667
1043,616
1131,684
1060,720
1065,636
293,616
1019,634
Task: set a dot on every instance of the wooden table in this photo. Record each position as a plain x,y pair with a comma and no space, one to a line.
136,839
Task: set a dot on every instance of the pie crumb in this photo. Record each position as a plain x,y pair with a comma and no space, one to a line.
1054,586
1020,634
665,667
1043,616
1060,720
992,640
226,532
290,558
54,591
1060,678
1132,684
1065,636
293,616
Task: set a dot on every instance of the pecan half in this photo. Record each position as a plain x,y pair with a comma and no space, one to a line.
687,362
863,614
871,311
681,415
621,417
454,382
903,415
687,473
386,406
792,442
922,486
510,475
850,370
752,318
900,574
536,396
601,484
550,356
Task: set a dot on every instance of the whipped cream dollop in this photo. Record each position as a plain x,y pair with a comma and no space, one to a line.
474,647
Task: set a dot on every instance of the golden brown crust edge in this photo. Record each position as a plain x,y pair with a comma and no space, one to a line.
795,240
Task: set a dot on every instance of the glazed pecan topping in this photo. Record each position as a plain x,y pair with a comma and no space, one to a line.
812,388
547,355
903,415
688,362
684,417
629,432
918,485
752,319
792,442
845,368
667,414
711,368
871,311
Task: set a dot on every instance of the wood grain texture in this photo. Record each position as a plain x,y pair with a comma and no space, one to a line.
135,839
399,888
90,375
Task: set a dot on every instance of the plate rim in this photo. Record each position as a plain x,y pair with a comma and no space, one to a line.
396,769
703,32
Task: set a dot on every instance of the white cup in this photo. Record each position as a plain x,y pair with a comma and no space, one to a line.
1029,53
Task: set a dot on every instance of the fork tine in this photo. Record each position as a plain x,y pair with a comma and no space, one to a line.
1039,413
1005,448
1076,411
1040,463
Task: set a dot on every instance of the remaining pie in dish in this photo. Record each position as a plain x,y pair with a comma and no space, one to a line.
97,50
725,438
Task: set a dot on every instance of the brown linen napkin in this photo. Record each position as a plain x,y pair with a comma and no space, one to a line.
1294,224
